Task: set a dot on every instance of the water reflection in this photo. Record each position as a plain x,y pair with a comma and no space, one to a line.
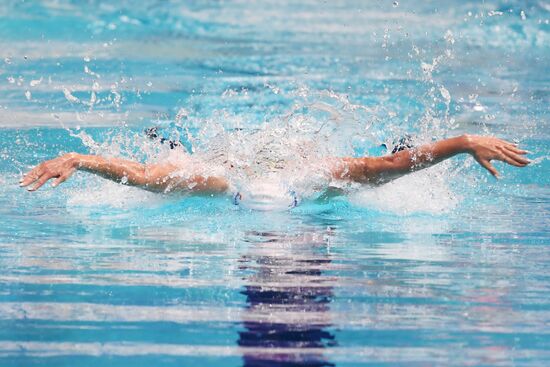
287,319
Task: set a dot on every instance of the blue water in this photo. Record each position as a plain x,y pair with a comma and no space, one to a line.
445,267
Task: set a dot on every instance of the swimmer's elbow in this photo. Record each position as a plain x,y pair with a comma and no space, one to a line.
166,178
368,170
375,169
360,170
155,177
381,170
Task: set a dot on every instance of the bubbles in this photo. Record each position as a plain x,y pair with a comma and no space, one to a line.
28,95
522,15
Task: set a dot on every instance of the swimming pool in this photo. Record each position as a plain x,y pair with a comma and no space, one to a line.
445,267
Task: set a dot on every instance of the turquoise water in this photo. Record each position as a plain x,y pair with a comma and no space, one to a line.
445,267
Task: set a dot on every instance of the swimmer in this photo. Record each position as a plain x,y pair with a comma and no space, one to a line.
166,177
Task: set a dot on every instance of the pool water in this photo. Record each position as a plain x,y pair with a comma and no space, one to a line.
447,266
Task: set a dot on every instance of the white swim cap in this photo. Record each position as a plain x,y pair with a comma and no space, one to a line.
265,195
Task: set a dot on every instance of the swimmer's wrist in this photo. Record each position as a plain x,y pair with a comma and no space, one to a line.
466,143
76,160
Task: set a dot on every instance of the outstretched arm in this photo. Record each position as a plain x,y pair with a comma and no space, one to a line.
153,177
379,170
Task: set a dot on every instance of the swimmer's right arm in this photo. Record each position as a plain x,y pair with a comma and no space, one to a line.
379,170
161,177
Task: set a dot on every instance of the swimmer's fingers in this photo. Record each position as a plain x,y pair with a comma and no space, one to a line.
507,143
32,175
510,146
509,156
511,161
518,153
488,166
63,177
41,181
516,150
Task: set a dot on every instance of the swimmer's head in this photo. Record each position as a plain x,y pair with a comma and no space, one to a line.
265,195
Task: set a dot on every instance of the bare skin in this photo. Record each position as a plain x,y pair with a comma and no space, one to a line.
379,170
163,177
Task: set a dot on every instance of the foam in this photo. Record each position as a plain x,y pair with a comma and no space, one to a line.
425,191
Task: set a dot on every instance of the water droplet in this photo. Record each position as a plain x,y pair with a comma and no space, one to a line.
93,98
86,58
28,95
522,15
181,115
395,4
69,96
35,82
149,84
478,107
449,37
445,94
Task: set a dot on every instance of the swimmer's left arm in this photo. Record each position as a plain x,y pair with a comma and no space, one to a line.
379,170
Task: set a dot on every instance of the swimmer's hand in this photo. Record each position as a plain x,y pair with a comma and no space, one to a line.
487,148
60,168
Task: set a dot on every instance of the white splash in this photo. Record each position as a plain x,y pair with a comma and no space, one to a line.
96,191
282,160
69,96
425,191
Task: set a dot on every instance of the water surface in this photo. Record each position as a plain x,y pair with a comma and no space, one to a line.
445,267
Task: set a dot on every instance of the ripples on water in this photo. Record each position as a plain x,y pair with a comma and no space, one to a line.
446,267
